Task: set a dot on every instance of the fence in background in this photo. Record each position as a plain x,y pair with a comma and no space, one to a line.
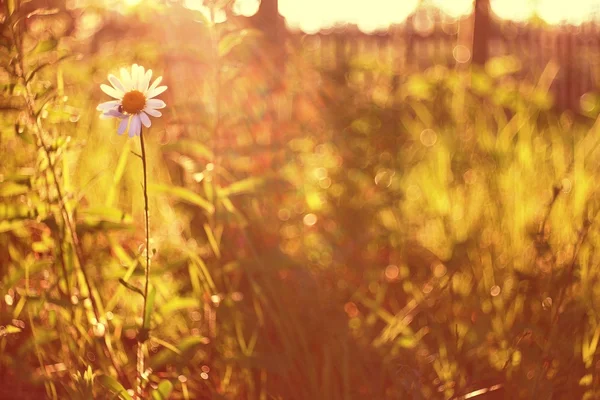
429,37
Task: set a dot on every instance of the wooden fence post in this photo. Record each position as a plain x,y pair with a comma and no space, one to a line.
481,31
409,36
268,20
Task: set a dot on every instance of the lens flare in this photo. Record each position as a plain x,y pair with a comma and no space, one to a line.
312,16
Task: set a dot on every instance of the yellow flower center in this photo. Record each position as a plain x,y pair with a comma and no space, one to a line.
133,102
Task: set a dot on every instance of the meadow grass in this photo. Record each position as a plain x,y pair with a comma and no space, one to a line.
314,234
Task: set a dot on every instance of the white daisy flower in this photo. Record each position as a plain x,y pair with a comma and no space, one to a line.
134,99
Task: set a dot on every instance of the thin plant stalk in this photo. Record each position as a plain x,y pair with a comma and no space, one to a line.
144,333
64,211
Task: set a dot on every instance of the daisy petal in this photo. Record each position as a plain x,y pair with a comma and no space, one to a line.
116,83
126,79
112,92
137,73
145,120
156,83
141,76
113,113
152,111
107,105
146,81
123,126
135,126
134,79
155,92
155,103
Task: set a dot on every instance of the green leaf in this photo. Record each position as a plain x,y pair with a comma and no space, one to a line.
244,186
7,226
209,191
199,263
166,344
22,176
41,246
388,219
166,356
32,74
43,12
8,189
231,208
190,147
178,303
131,287
19,273
183,194
586,380
418,87
101,226
118,173
100,218
163,391
234,39
114,386
501,66
45,46
11,329
24,133
103,213
212,240
16,212
42,338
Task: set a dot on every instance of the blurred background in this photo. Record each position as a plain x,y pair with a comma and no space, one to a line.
348,200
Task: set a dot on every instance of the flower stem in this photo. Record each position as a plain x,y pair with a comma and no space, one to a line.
145,324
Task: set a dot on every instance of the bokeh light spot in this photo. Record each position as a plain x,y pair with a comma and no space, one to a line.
547,303
461,54
428,137
310,219
284,214
351,309
384,177
495,290
439,270
392,272
588,102
99,329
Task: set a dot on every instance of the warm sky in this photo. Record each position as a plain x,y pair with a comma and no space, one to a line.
369,15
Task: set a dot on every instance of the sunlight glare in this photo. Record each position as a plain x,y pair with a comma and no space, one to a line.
555,13
198,5
314,15
246,8
311,16
455,8
516,10
551,11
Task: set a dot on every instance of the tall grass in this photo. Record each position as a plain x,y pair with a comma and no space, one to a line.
356,233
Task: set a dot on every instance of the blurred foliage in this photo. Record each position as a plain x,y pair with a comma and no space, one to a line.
334,234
